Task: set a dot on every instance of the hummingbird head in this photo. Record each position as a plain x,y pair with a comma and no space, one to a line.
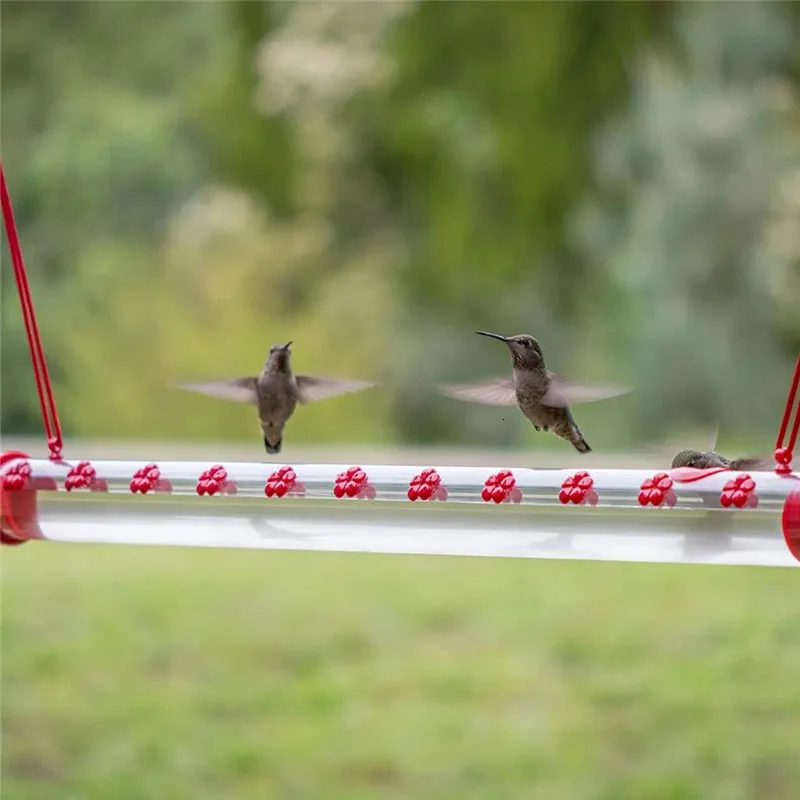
698,460
686,458
279,357
526,352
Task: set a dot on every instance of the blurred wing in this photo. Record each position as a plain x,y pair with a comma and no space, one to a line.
564,392
712,438
311,388
497,392
237,390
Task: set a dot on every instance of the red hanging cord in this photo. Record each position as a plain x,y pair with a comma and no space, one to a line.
786,450
44,388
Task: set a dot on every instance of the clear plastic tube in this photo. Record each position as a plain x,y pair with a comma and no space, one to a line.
693,528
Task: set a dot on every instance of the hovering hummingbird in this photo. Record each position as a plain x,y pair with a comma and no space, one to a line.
541,395
276,392
712,459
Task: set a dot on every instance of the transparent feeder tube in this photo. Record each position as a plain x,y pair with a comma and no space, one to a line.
691,525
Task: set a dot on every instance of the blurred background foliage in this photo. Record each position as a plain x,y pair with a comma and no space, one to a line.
377,180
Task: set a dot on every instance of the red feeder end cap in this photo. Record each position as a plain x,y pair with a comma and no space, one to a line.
19,515
790,521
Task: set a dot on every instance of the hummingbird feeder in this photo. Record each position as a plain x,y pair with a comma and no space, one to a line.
713,516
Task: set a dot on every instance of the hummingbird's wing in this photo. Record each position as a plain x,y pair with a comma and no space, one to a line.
495,392
564,392
238,390
311,387
713,436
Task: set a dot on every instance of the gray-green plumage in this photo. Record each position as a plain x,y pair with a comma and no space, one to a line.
276,392
542,396
711,460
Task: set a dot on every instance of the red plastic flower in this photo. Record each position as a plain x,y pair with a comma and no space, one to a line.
578,489
282,482
501,488
427,485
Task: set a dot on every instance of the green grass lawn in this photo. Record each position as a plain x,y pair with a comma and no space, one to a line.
165,674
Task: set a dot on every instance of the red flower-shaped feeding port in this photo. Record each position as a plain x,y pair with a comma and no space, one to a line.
16,477
739,492
19,476
353,482
84,476
214,480
148,478
657,490
427,485
282,482
501,488
578,489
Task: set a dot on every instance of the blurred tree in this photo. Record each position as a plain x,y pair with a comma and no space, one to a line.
247,149
377,180
95,144
478,144
696,183
207,310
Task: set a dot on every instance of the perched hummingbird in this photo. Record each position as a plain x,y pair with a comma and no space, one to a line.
276,392
712,459
542,396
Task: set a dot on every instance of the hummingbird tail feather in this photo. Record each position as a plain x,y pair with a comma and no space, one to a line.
751,463
273,449
582,446
576,437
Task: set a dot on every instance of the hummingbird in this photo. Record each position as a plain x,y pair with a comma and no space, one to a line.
276,392
541,395
712,459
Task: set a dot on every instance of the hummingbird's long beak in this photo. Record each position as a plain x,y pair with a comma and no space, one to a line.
493,336
287,345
